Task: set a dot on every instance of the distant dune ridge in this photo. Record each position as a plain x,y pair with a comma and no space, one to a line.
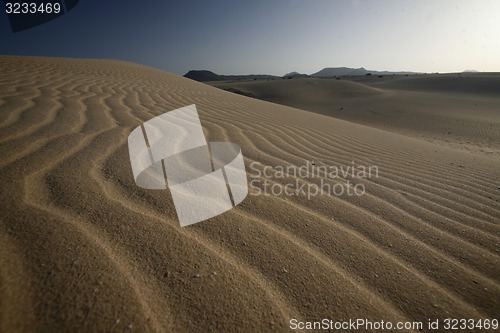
82,248
456,110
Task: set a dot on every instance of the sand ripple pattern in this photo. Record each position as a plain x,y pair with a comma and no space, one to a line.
82,248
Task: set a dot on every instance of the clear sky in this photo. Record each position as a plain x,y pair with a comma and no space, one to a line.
273,37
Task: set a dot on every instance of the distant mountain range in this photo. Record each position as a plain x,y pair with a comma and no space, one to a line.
204,75
346,71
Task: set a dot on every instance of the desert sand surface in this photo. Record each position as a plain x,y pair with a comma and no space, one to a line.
459,110
82,248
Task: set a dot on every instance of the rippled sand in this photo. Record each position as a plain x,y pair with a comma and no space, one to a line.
82,248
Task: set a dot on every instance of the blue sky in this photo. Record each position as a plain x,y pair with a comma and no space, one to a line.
273,37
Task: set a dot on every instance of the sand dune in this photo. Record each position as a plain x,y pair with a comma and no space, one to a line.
82,248
455,110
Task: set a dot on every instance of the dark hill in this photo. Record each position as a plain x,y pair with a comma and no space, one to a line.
204,76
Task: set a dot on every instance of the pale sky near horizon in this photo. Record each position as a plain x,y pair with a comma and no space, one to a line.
273,37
